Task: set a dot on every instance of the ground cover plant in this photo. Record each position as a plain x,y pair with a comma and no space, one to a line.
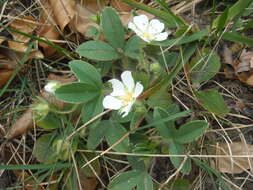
126,94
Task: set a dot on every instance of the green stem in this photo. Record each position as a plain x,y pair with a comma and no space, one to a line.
72,109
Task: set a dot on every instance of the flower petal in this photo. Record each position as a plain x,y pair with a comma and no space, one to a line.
125,110
161,36
141,22
118,88
138,89
111,102
128,80
155,27
133,27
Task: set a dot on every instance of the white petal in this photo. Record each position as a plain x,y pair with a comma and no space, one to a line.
126,109
141,22
51,86
128,80
161,36
138,89
155,27
133,27
118,88
111,102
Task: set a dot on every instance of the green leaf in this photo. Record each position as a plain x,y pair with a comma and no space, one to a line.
136,162
205,67
212,101
97,134
113,28
76,92
170,59
125,181
43,150
82,158
114,133
145,182
180,184
178,149
234,37
97,50
168,16
36,166
51,121
161,98
184,40
239,7
222,20
92,109
86,73
190,131
133,47
166,129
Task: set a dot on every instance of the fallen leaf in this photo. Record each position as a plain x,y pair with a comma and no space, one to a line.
227,56
245,61
82,19
47,30
20,43
63,10
88,183
120,6
22,125
233,165
7,67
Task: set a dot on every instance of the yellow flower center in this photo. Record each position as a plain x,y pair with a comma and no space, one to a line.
147,35
127,98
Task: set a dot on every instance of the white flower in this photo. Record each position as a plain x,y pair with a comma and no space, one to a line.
51,86
124,94
148,31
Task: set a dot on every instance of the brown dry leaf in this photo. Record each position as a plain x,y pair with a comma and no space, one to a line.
47,29
84,11
25,24
63,10
7,67
88,183
81,20
22,125
245,61
2,39
236,164
120,6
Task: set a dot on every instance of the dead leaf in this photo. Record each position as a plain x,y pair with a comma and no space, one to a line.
25,24
120,6
47,29
245,61
63,10
88,183
7,67
233,165
22,125
228,56
82,19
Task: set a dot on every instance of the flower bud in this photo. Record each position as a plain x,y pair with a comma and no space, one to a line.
51,86
40,110
155,68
